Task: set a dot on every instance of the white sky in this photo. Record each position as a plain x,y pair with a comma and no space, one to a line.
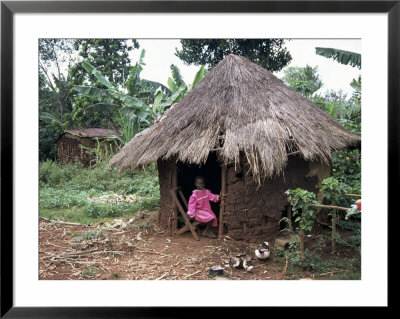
335,76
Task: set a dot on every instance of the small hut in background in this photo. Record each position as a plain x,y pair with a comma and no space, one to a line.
251,137
70,141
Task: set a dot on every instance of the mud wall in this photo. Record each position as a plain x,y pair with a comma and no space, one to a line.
254,212
69,150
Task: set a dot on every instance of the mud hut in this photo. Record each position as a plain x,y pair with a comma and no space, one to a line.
250,136
69,143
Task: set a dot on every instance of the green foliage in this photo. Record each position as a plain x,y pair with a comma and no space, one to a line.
109,56
97,210
48,134
72,214
90,271
341,56
305,80
100,179
315,263
68,186
334,191
54,80
103,151
90,235
145,100
346,168
82,116
269,53
300,200
60,69
59,198
346,111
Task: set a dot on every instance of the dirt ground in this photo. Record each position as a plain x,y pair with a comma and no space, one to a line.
140,250
76,252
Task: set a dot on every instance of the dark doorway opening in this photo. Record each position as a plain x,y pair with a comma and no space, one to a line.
211,171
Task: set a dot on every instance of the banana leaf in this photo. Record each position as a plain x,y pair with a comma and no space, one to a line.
341,56
199,76
92,70
103,107
156,85
176,75
48,116
92,91
172,85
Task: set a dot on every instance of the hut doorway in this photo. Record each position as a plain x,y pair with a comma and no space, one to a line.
211,171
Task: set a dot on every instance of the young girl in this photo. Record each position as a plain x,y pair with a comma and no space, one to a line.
199,206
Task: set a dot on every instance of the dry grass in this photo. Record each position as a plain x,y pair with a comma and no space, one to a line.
239,108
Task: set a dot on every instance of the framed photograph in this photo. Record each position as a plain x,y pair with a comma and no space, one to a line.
165,154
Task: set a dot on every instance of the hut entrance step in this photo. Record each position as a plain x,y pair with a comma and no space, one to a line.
188,225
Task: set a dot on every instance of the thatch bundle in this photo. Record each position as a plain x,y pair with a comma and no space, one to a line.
239,107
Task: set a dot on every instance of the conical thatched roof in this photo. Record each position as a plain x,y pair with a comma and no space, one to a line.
239,107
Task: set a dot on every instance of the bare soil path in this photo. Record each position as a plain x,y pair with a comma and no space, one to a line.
140,250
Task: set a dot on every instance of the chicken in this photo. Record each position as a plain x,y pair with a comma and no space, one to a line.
262,251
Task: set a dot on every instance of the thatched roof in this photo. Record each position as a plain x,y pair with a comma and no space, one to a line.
91,132
239,107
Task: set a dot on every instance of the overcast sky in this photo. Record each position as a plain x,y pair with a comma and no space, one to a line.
160,55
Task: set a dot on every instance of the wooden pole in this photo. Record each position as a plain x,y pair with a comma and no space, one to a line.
222,204
353,195
289,217
333,236
330,206
185,216
301,244
174,182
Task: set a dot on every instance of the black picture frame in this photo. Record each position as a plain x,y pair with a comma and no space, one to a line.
9,8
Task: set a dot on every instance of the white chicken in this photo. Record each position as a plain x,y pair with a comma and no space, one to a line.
262,251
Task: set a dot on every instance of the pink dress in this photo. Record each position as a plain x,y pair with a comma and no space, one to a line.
199,206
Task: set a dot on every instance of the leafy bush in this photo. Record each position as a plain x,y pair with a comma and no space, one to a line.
300,199
97,210
66,186
58,198
346,167
99,180
335,191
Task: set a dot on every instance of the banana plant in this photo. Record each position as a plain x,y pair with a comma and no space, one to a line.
140,102
341,56
117,106
178,88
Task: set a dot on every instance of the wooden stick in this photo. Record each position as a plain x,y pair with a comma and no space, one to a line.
185,216
353,195
222,205
301,244
286,265
333,235
330,206
185,228
159,278
187,276
60,222
333,272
